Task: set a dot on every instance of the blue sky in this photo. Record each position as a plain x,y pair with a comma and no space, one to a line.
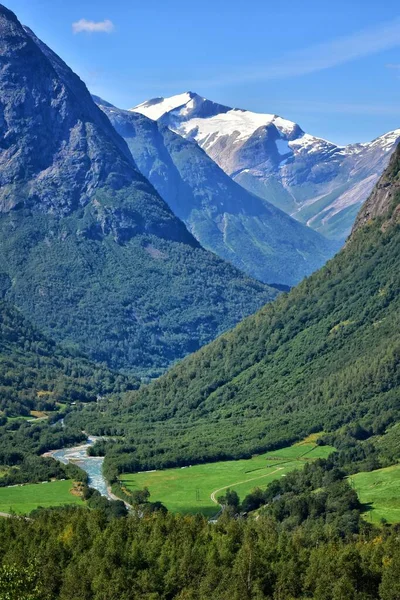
333,67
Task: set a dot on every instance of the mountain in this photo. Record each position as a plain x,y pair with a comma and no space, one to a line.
224,217
36,373
317,182
89,251
323,355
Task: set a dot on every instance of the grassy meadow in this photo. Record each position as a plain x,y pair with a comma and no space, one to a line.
22,499
195,489
380,492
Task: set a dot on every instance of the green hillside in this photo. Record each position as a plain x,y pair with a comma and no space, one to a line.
321,356
89,252
379,491
138,305
37,374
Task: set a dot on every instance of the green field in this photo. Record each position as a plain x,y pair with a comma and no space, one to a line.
23,499
189,489
380,492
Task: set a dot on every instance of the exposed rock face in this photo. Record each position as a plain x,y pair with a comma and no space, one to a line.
315,181
224,217
385,196
57,147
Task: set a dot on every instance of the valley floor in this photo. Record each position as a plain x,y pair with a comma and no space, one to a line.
22,499
196,489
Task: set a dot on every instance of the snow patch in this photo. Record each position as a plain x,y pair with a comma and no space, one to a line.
155,109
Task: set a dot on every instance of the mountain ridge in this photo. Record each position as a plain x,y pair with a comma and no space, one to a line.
315,181
225,218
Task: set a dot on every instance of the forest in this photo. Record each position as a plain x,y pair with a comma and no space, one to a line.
37,374
76,554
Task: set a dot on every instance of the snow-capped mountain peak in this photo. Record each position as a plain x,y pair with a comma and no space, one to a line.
316,181
193,116
157,107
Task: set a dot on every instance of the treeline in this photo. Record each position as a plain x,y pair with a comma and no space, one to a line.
21,446
20,438
36,373
76,554
35,469
318,492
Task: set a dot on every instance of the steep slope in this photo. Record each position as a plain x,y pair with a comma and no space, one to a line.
315,181
36,373
88,250
325,354
224,217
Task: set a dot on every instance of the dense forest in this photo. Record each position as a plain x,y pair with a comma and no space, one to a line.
323,355
21,445
76,554
37,374
137,305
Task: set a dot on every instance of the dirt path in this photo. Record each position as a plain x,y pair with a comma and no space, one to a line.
112,496
10,516
213,498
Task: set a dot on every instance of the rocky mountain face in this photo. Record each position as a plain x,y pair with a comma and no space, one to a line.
57,147
224,217
385,197
89,251
317,182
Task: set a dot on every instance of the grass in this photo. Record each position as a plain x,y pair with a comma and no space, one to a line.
189,490
25,498
379,491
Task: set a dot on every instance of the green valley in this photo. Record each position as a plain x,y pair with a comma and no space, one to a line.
159,439
324,355
196,488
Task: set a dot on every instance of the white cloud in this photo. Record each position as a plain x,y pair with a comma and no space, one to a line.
105,26
317,57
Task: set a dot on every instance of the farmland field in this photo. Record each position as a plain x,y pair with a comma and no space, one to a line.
190,489
380,491
22,499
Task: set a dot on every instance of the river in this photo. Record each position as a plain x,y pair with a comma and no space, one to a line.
93,465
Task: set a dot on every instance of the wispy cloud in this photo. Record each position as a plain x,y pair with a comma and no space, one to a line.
393,66
318,57
105,26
